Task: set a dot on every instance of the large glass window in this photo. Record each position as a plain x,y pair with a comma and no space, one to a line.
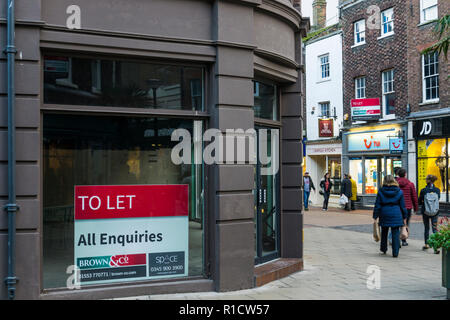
433,159
371,173
119,83
111,150
265,101
356,171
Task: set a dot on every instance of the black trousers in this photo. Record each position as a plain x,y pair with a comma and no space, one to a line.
326,197
395,240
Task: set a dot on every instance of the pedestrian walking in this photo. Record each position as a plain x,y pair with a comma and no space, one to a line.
346,189
390,210
429,202
326,186
354,192
308,185
410,195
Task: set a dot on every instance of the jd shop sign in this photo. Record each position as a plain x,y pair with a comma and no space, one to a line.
431,127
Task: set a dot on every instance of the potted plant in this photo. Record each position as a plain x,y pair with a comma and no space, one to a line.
438,240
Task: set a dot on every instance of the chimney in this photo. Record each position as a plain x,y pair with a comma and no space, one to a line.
319,14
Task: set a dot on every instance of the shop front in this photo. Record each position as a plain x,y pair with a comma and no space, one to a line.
109,206
432,137
371,153
322,158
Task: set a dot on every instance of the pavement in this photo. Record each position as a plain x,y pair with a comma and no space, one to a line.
343,262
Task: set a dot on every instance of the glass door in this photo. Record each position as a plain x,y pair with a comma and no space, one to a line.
266,194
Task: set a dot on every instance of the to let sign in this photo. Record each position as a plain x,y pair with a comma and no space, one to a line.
131,232
366,109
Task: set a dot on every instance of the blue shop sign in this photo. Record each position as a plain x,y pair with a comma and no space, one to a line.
396,145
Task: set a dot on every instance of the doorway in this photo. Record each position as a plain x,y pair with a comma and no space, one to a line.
267,198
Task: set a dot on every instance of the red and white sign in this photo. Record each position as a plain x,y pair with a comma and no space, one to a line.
133,201
131,232
366,109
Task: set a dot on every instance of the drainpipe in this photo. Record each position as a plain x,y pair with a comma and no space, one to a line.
11,207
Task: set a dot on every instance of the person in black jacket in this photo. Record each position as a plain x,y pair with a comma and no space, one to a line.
430,179
391,211
326,186
346,189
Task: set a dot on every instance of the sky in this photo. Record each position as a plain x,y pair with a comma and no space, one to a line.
332,11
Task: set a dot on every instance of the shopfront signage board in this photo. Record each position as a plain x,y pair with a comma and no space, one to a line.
365,109
396,145
369,141
131,232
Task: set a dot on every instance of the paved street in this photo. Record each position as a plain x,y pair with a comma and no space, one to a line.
338,249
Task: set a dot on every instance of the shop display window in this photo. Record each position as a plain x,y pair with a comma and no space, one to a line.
371,176
118,83
356,171
433,159
111,150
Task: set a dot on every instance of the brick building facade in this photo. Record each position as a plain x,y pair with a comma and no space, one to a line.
377,54
382,58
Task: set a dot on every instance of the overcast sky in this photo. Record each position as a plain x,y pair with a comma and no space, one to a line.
332,11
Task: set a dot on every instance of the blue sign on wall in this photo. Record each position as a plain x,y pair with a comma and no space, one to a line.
396,145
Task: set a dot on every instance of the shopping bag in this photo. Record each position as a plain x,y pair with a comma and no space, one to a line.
404,234
343,200
376,231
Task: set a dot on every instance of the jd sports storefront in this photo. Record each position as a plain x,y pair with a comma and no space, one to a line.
101,185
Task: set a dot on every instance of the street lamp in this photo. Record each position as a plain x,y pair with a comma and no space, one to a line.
154,84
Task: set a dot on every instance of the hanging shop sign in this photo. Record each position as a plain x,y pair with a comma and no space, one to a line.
326,128
395,145
134,232
365,109
370,141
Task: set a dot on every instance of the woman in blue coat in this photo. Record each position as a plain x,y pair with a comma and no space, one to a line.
391,211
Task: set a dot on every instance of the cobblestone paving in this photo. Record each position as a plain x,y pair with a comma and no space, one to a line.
336,262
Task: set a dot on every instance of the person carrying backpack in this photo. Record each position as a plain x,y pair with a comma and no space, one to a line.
429,202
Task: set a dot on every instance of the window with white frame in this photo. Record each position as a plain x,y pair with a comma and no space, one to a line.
428,10
360,31
324,66
430,72
388,92
324,109
387,22
360,88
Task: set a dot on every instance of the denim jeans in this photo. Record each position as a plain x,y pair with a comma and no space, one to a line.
395,239
306,198
326,197
426,222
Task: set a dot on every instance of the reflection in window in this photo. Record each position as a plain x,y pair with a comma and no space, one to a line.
116,83
108,150
265,101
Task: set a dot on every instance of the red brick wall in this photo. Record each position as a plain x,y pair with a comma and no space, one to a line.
376,55
420,37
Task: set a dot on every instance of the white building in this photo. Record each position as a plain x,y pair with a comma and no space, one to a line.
324,110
